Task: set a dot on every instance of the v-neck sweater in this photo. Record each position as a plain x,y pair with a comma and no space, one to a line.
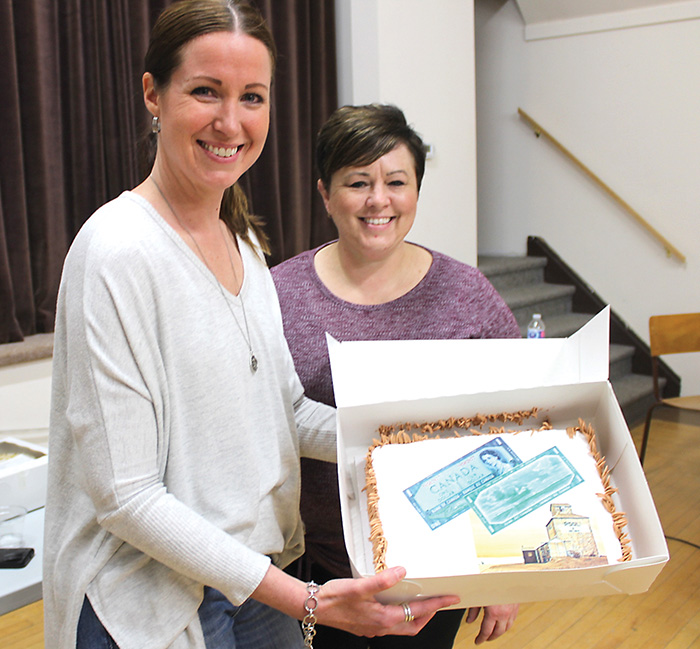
171,465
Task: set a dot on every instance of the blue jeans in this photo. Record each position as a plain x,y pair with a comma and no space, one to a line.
251,625
91,633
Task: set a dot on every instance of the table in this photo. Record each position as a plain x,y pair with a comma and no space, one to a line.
19,587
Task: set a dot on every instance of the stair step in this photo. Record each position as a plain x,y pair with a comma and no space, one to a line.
511,272
520,281
635,393
562,325
548,299
529,293
620,361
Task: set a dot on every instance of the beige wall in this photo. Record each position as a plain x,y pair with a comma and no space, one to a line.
625,101
420,56
24,401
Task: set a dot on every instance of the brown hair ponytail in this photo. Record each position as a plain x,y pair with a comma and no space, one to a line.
234,213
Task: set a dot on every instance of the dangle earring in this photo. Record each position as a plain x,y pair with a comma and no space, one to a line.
155,124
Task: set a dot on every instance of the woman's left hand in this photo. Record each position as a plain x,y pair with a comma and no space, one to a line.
350,604
497,620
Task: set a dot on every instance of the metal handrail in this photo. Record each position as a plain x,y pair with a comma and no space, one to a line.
539,131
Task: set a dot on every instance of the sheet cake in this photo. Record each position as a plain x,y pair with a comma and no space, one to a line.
463,496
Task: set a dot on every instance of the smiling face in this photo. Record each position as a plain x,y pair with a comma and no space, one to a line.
215,111
373,206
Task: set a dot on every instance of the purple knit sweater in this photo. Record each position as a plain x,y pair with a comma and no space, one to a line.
453,300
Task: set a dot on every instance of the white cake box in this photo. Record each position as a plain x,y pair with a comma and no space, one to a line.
386,382
23,477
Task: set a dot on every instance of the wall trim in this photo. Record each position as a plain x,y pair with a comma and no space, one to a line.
609,21
32,348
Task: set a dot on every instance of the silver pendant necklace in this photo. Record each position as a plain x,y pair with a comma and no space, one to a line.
246,333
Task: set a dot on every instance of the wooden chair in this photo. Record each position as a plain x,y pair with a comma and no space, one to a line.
671,334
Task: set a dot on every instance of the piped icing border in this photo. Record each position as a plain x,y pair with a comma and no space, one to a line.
400,434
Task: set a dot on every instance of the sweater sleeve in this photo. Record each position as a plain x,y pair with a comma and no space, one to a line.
316,427
315,420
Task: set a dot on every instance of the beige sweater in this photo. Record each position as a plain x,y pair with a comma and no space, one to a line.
171,465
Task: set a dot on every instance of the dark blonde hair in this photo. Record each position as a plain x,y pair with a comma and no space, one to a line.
176,26
355,136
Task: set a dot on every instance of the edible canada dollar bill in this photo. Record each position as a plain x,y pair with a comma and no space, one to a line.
441,496
531,485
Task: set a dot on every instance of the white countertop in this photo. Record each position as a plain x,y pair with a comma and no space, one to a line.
22,586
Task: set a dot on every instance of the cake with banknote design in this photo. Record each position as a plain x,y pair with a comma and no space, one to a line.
491,493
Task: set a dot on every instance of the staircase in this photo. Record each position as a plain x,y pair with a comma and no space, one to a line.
566,304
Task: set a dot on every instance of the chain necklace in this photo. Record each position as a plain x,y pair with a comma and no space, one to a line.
246,333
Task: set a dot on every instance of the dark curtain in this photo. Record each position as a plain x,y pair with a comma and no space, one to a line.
73,113
282,183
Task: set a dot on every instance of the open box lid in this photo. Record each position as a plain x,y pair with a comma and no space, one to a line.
367,372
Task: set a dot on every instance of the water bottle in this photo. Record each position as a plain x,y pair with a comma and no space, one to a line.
536,327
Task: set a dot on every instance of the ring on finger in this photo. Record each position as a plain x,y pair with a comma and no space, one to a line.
407,613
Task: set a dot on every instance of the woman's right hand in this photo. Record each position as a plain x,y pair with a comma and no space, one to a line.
350,604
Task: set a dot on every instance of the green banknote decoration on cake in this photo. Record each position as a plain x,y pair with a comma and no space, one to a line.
515,494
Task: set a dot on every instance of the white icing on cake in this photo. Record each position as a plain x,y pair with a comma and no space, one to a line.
576,527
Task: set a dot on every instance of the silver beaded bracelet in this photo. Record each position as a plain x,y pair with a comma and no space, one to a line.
308,624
